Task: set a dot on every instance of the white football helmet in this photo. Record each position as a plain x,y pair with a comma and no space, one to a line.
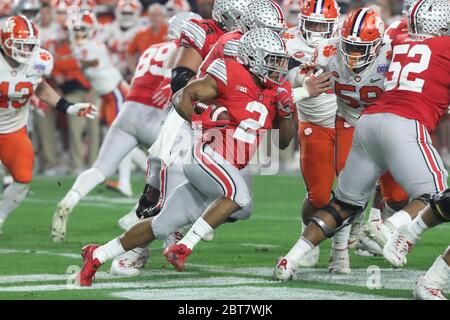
264,52
128,13
229,12
429,18
30,9
176,23
262,14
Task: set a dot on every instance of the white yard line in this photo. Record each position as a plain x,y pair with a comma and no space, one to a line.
44,252
243,293
210,281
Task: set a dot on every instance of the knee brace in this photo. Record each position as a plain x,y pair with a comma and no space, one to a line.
180,78
440,204
340,223
425,198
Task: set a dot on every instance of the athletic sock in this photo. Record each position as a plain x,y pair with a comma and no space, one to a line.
438,273
398,220
109,251
299,250
14,194
417,227
87,180
198,230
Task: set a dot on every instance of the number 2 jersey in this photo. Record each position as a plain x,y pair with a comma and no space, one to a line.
151,71
17,85
354,91
252,110
418,81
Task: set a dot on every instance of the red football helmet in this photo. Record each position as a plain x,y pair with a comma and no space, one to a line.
128,13
82,26
318,20
19,38
361,37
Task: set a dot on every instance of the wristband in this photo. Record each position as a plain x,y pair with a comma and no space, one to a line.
62,105
300,93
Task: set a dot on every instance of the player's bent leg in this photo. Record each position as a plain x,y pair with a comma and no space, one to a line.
18,157
430,286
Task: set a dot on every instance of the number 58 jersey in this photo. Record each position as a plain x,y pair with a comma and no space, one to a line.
17,85
418,81
354,91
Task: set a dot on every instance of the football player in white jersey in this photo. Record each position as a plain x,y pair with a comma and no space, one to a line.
23,67
121,32
318,20
358,60
138,122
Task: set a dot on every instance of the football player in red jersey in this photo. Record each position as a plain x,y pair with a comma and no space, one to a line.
138,122
23,69
393,134
213,175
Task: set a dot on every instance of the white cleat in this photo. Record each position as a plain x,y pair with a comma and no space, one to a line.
284,271
339,262
378,232
356,231
128,220
130,263
427,290
397,248
311,258
209,237
365,243
122,188
59,222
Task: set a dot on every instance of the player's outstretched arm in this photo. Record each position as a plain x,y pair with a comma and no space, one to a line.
198,90
50,97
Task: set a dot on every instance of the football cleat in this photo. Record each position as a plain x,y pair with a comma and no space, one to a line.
128,220
173,238
378,232
209,237
427,290
284,271
311,258
123,189
339,262
356,231
90,266
130,263
365,243
398,246
176,255
59,222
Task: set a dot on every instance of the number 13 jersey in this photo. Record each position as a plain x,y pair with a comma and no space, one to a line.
418,81
17,85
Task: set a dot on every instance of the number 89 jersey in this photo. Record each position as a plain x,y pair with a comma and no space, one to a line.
17,85
354,91
151,71
418,80
251,109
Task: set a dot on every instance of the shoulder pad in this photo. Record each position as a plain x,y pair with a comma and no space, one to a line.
218,69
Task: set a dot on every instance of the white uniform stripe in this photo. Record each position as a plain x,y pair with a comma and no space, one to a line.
195,33
421,137
319,6
231,47
218,69
358,21
29,25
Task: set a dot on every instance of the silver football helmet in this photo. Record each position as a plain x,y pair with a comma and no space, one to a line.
263,14
176,23
229,12
264,53
429,18
406,5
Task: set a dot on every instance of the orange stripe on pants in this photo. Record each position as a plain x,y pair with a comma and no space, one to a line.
111,104
16,154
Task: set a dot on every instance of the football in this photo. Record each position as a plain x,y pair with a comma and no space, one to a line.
219,112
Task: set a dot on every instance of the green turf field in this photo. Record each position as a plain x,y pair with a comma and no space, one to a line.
238,264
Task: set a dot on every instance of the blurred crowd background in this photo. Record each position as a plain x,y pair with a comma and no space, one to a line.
67,146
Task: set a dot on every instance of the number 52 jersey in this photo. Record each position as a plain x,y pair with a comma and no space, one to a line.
418,81
17,85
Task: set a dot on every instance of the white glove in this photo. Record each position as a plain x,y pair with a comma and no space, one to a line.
86,110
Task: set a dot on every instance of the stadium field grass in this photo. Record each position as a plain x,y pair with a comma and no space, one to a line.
238,264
